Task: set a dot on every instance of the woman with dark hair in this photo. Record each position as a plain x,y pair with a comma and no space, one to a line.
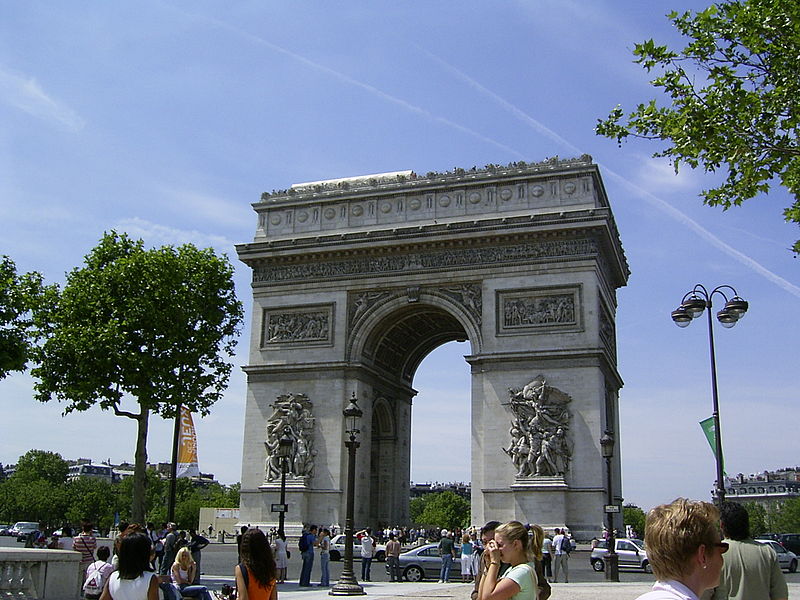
256,574
132,580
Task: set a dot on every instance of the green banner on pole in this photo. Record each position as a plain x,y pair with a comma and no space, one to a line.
711,435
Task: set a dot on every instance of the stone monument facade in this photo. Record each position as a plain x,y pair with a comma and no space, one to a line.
356,280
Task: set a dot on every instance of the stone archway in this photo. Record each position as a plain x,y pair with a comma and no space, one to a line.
355,281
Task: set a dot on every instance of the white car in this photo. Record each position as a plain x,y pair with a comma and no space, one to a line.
786,558
337,549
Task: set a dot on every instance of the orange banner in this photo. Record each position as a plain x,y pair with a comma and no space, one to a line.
187,447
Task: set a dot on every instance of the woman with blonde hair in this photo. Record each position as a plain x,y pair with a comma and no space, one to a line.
183,572
510,545
685,549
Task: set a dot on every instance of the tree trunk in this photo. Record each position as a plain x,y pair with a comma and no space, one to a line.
138,507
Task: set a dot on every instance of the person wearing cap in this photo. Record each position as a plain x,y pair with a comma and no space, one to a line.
170,548
447,550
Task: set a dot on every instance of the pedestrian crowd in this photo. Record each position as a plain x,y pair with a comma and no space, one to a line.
695,549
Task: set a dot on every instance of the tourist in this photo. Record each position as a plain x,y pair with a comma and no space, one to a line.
281,555
170,548
685,549
393,559
547,556
183,575
97,574
447,552
85,543
750,570
308,539
368,545
466,559
536,544
324,544
511,545
562,546
196,543
256,573
132,580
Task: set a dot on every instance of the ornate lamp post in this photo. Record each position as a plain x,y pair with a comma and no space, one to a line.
284,451
348,585
692,306
611,558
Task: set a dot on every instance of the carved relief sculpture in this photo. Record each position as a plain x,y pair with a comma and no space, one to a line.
297,326
539,446
292,413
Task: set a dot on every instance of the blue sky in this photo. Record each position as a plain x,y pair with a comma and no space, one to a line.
168,119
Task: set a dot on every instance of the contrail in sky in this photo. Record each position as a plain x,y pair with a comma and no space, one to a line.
355,82
534,124
651,198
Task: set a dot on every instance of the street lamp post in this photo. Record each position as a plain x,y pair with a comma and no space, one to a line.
692,306
348,585
611,558
284,451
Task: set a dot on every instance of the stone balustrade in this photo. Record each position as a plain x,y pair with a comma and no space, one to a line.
28,573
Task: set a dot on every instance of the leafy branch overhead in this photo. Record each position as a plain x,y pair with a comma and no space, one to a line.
735,99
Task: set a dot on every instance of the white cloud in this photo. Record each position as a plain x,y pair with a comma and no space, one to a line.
216,210
156,235
25,93
659,173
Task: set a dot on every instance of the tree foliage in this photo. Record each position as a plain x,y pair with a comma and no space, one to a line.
735,99
443,509
151,325
39,491
635,517
18,295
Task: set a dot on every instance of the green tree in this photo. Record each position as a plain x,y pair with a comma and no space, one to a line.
634,516
787,518
37,465
18,295
90,499
416,507
445,509
735,99
148,325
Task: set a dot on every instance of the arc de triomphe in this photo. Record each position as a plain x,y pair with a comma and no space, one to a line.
356,280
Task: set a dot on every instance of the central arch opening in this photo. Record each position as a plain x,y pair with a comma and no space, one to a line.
421,343
441,432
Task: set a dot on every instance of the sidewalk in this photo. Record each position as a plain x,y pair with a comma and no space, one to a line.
461,591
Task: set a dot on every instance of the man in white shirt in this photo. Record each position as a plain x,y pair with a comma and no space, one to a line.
561,547
367,552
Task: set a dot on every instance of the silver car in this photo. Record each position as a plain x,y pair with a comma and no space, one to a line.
631,554
424,562
786,558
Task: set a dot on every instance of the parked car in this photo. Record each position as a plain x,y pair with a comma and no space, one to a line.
22,529
337,549
786,558
631,555
424,562
5,529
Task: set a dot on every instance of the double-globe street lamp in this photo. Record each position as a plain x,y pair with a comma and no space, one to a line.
692,306
284,452
611,557
348,585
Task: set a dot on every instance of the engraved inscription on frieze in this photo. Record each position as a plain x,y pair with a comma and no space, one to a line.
298,325
421,261
523,310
